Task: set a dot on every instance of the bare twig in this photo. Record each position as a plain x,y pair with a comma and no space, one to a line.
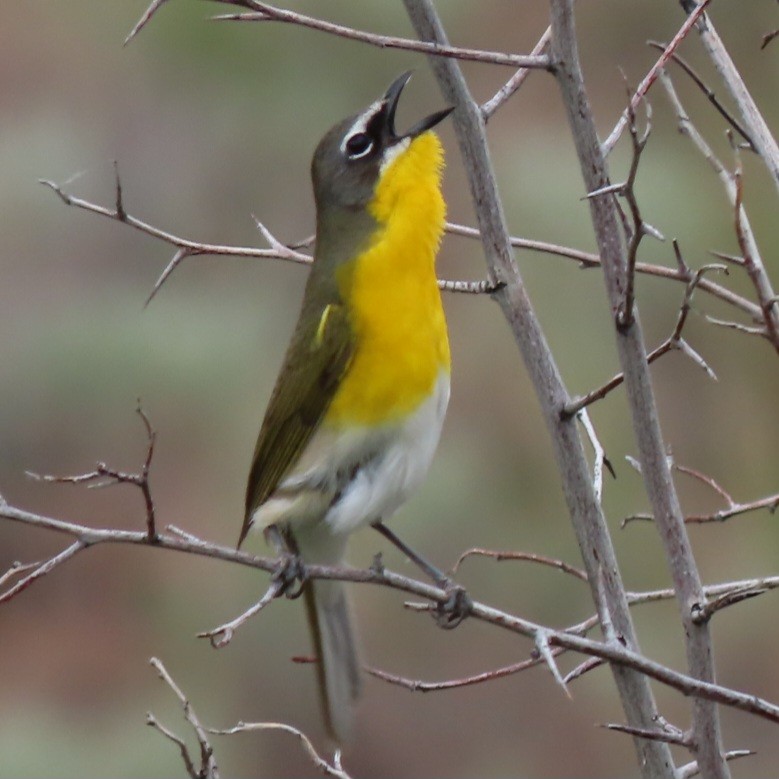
186,247
523,557
515,82
545,652
104,476
693,769
752,261
771,502
639,228
221,636
757,273
328,769
711,96
652,75
208,768
263,12
625,313
674,341
580,670
667,735
418,685
733,508
763,141
768,37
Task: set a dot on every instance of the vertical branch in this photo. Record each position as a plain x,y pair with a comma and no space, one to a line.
706,740
654,757
756,126
746,238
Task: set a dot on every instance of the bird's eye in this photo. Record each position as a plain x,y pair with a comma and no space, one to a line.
358,146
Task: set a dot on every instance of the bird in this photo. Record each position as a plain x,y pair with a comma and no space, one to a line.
356,412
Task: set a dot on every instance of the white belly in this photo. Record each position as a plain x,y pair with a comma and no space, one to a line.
346,479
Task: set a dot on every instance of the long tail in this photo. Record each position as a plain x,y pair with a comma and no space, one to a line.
329,616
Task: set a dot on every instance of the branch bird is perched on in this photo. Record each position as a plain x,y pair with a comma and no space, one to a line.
357,409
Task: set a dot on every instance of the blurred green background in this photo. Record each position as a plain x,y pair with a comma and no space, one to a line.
211,123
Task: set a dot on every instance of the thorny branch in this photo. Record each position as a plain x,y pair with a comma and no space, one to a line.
615,653
766,296
674,341
710,95
631,349
208,768
264,12
652,76
733,508
105,476
186,248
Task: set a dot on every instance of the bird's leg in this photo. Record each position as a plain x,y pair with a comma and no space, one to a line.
290,574
457,606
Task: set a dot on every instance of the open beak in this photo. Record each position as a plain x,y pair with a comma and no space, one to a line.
391,98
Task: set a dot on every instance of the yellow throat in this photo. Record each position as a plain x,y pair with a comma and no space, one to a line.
392,295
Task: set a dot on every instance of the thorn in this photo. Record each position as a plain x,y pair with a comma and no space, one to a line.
121,214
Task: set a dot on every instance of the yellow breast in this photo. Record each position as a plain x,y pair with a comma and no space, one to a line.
393,297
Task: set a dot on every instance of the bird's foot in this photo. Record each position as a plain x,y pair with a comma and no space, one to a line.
449,613
289,576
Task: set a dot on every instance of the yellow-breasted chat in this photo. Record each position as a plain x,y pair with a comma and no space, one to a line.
357,409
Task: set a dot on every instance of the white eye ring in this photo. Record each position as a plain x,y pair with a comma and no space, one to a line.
358,145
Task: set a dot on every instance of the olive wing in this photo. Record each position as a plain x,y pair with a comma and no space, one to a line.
316,361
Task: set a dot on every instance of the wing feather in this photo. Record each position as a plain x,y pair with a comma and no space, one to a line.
317,359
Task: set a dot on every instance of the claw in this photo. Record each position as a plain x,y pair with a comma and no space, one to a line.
451,612
290,575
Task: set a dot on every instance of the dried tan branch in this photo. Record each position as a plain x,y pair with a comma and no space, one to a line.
733,508
263,12
590,260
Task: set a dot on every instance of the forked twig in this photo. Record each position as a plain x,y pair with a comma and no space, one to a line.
104,476
208,768
674,341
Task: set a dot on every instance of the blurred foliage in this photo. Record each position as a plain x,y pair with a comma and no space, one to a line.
213,122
